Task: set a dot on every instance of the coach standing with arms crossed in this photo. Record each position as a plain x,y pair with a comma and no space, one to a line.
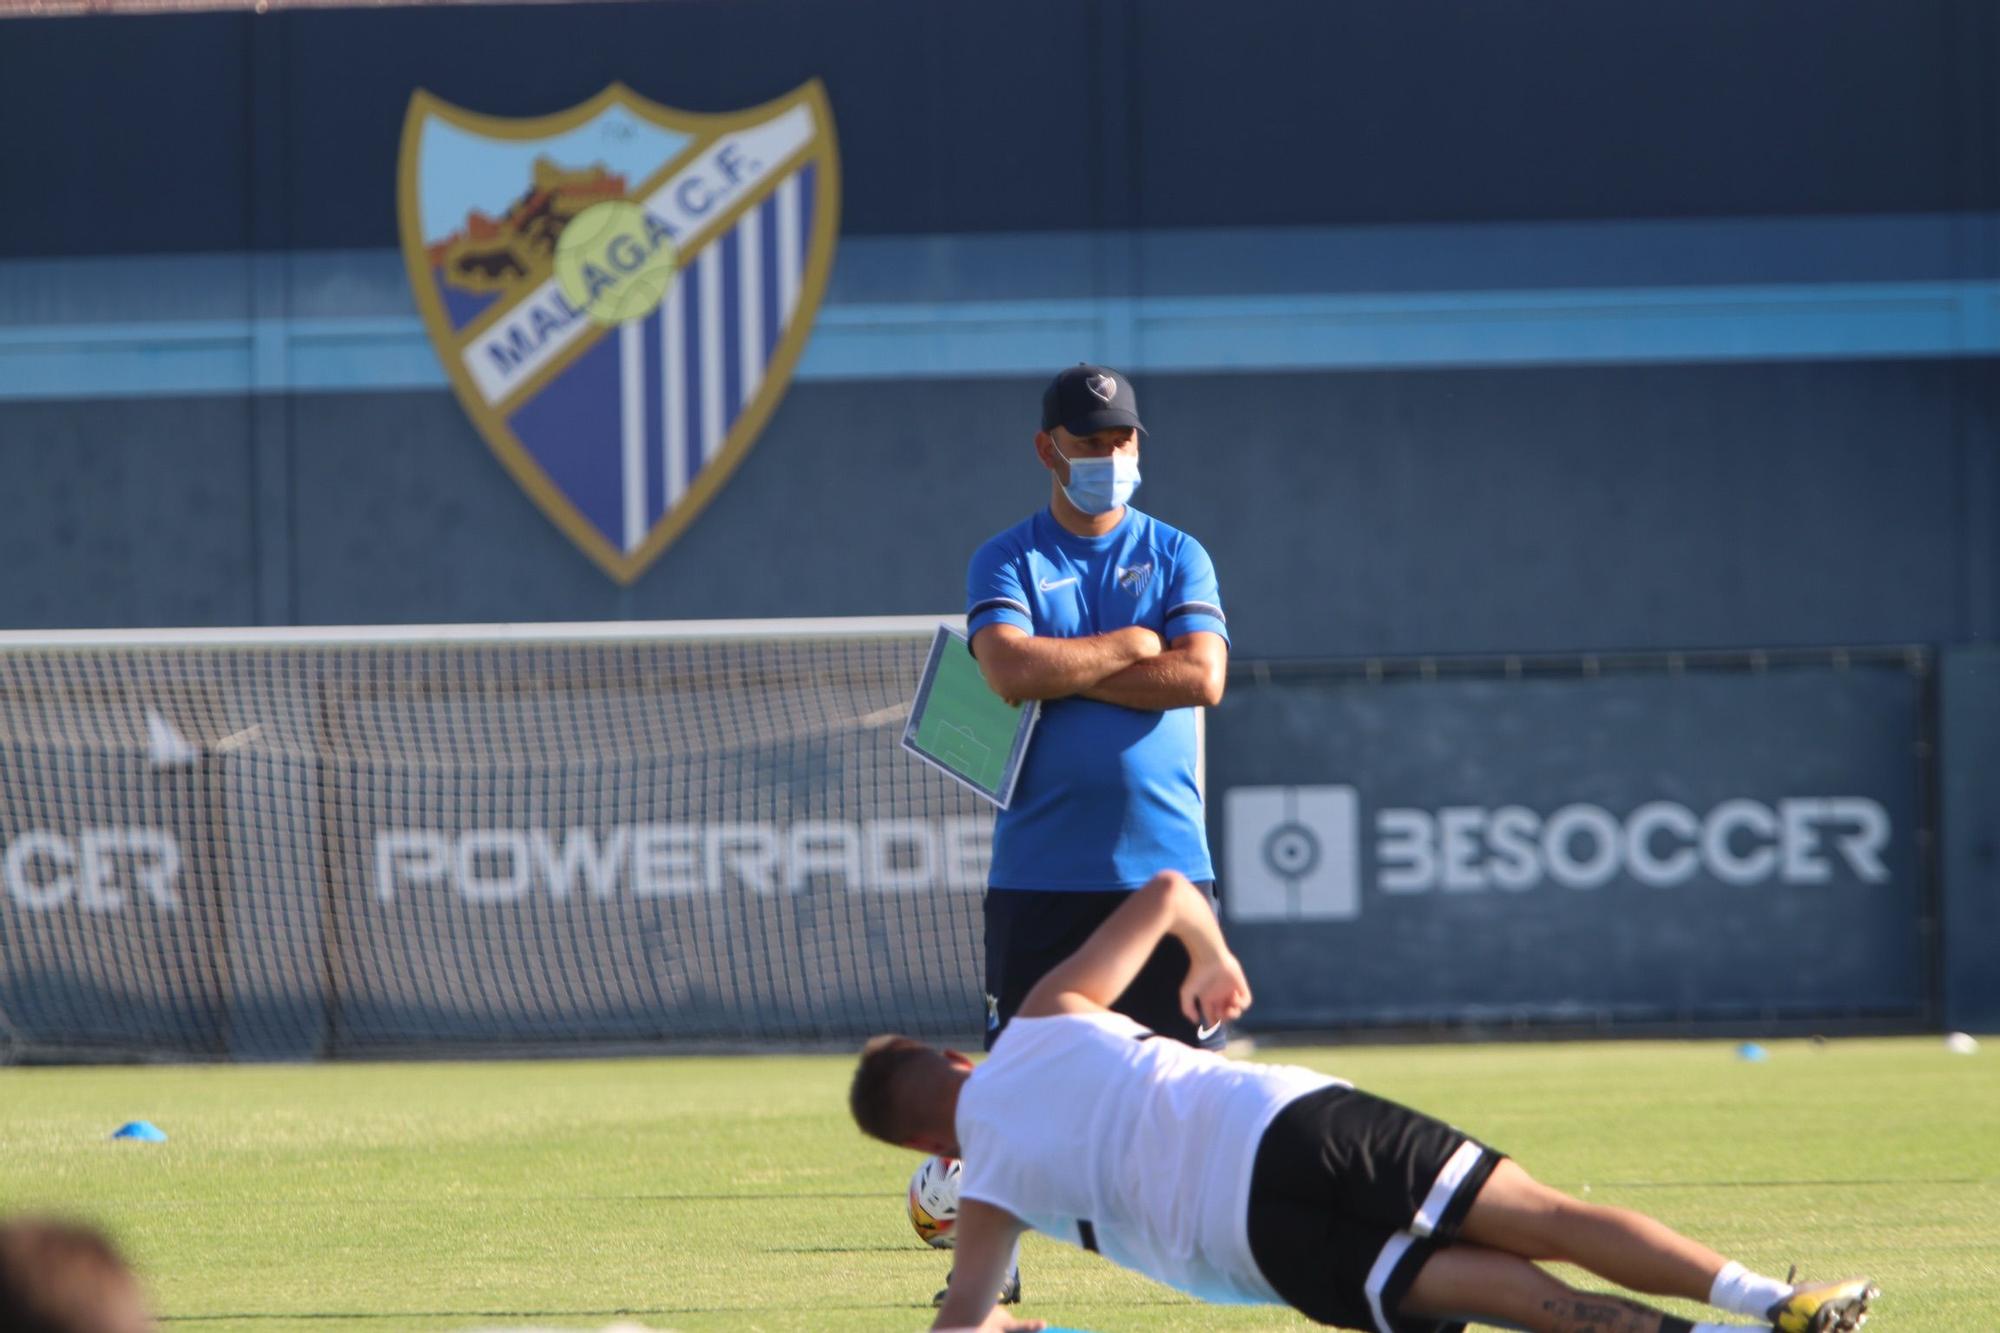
1113,620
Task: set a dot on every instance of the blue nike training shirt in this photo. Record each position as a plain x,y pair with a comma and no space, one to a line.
1107,797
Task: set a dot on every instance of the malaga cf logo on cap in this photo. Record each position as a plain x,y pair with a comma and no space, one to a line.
619,293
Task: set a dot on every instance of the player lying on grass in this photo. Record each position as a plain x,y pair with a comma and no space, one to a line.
1255,1183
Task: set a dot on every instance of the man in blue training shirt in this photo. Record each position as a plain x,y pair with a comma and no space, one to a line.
1113,620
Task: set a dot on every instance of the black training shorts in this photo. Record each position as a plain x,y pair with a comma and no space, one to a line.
1029,931
1349,1197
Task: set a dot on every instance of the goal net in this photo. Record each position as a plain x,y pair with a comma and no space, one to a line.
244,844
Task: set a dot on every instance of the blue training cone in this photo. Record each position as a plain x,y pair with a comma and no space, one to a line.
144,1131
1751,1051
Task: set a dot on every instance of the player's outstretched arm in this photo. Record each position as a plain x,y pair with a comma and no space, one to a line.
1098,973
1190,674
1019,665
979,1263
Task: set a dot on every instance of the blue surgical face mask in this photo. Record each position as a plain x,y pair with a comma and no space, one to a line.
1100,485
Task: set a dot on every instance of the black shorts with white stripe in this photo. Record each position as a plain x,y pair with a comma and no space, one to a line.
1349,1196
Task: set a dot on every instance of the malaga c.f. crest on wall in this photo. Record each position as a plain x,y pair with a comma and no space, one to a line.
620,292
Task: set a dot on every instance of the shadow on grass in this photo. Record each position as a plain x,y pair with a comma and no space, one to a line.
598,1314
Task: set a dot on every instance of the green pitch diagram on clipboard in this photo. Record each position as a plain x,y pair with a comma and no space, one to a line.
959,725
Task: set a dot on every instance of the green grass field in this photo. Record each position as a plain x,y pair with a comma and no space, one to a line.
734,1194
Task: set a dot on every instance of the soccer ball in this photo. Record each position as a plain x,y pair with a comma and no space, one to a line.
934,1201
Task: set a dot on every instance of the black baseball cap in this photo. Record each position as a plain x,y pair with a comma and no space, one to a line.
1085,399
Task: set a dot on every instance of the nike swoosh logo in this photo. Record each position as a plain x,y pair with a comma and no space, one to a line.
1059,583
1203,1034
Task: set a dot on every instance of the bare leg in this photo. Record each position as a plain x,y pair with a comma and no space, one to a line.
1518,1214
1472,1282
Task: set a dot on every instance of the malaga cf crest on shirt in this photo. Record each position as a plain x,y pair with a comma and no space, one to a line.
619,293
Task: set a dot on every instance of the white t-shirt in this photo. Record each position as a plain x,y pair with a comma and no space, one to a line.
1086,1131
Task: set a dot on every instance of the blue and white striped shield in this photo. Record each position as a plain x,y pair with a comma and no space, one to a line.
619,293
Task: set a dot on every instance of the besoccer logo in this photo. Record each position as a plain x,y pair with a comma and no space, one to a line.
1293,853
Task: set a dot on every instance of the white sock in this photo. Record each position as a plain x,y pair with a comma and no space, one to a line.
1740,1291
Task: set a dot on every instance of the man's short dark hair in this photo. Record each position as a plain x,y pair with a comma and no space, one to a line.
880,1095
61,1277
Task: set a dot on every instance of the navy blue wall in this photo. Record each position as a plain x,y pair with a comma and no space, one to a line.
1969,721
1397,513
1044,113
1556,507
